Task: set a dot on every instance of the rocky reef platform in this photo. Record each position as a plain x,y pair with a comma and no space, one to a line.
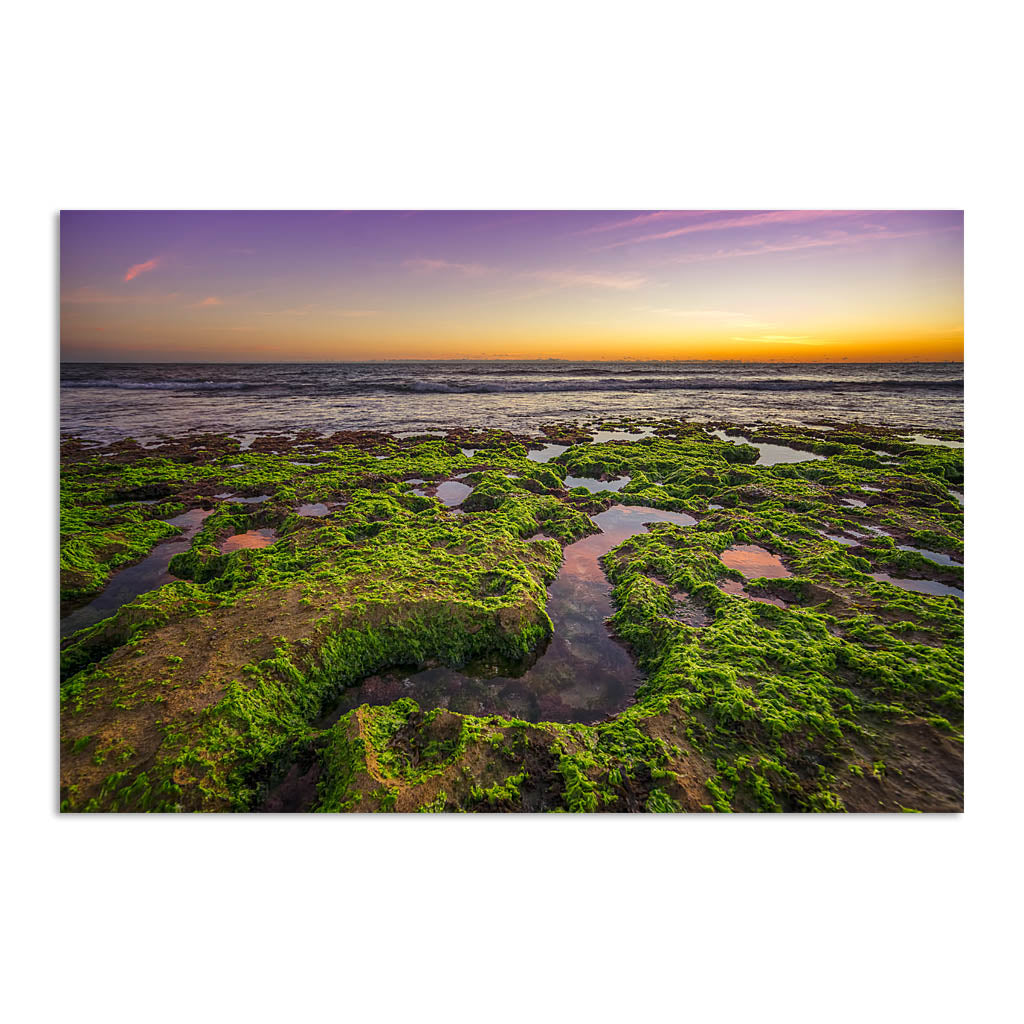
372,622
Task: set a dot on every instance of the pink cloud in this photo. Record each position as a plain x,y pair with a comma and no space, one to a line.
645,218
831,238
467,269
211,300
574,279
747,220
558,278
141,268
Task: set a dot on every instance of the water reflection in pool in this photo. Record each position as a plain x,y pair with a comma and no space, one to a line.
919,586
450,493
603,436
235,499
547,453
581,676
876,530
922,439
840,539
594,485
129,583
250,539
754,561
771,454
935,556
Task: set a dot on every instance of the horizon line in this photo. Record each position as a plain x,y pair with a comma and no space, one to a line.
492,359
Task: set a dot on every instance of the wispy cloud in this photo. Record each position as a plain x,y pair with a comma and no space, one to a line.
784,339
827,240
466,269
559,278
645,218
719,316
767,218
309,308
576,279
211,300
141,268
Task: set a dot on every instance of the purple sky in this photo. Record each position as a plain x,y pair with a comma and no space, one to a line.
813,285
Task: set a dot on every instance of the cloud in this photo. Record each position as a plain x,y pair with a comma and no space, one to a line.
211,300
747,220
784,339
558,278
466,269
141,268
294,311
723,316
310,308
828,239
644,218
576,279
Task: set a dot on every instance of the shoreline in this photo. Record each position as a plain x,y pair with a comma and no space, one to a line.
145,400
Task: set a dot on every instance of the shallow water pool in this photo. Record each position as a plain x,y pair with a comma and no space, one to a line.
453,493
932,587
771,454
582,675
134,580
234,499
594,485
547,453
937,442
603,436
840,539
754,561
261,538
935,556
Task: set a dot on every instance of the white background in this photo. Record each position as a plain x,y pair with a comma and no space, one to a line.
477,105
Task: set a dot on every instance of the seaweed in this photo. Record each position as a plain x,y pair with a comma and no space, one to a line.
201,695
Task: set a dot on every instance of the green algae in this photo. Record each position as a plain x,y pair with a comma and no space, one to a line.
211,687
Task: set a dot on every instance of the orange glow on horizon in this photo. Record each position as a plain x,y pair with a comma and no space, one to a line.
755,286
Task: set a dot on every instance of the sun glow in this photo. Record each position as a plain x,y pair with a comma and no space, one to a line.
820,286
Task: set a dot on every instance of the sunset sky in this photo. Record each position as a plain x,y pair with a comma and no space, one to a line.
736,284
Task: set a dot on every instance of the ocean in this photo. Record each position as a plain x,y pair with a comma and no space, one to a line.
109,401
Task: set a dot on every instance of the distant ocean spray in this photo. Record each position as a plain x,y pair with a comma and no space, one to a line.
111,400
